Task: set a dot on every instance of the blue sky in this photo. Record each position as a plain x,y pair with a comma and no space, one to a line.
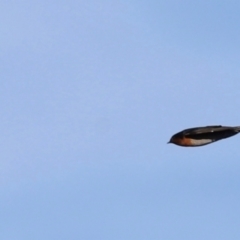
90,93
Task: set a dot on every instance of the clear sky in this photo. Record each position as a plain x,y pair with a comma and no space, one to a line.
90,93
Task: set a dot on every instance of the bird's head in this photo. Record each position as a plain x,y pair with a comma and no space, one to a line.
175,139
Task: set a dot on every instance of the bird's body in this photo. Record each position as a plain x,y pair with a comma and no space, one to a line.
200,136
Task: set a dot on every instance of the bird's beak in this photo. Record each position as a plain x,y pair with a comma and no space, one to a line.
168,142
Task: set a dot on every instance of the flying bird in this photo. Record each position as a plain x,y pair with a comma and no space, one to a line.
200,136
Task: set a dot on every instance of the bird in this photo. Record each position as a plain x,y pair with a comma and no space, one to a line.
200,136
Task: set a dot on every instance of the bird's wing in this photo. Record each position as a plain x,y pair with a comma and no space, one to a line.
207,129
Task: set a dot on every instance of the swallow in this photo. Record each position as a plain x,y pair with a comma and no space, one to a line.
200,136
